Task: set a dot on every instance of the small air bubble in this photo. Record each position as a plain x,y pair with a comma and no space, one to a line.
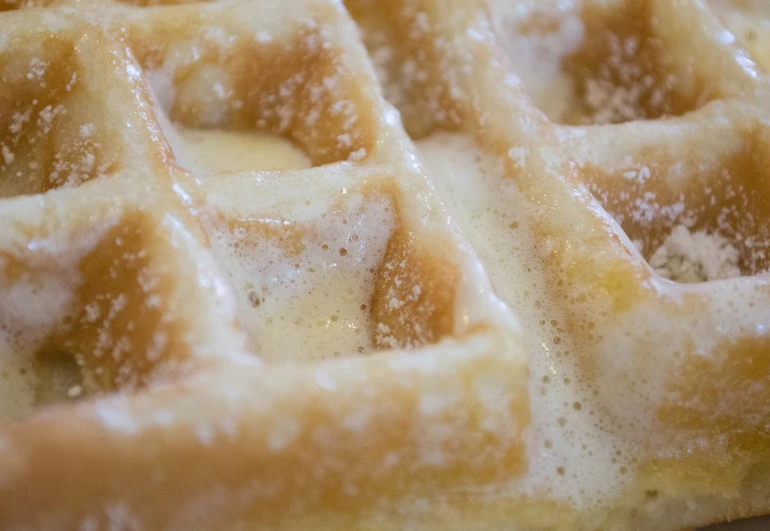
74,391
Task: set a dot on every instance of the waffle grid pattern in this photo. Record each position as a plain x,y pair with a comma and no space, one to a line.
118,258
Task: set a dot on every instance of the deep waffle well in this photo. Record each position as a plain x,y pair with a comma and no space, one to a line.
422,302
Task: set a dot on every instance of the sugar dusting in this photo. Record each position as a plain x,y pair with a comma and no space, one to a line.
216,94
540,37
24,145
620,85
537,51
691,257
307,282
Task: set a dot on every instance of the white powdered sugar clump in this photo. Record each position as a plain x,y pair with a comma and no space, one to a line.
610,103
691,257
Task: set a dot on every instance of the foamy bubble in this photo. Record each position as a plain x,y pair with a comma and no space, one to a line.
576,456
304,290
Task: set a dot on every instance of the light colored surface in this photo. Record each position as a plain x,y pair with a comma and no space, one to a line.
309,298
303,295
535,372
538,50
691,257
216,150
749,20
491,212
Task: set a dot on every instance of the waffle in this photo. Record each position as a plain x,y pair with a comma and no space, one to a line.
435,317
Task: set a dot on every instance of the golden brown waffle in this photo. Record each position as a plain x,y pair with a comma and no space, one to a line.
445,329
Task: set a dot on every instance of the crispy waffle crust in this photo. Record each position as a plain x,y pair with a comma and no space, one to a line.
523,367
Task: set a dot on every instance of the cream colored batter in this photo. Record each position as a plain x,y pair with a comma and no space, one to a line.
492,214
216,150
575,459
749,20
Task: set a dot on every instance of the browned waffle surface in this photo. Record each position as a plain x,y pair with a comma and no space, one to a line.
302,265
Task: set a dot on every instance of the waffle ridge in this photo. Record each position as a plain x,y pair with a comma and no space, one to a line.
520,365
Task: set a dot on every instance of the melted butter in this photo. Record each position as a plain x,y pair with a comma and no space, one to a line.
18,383
571,458
327,321
304,289
600,408
33,302
29,381
216,150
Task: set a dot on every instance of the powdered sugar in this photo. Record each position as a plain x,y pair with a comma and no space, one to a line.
691,257
621,84
537,52
582,67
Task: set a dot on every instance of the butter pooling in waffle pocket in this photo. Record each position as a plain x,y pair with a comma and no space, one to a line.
223,420
160,313
608,341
